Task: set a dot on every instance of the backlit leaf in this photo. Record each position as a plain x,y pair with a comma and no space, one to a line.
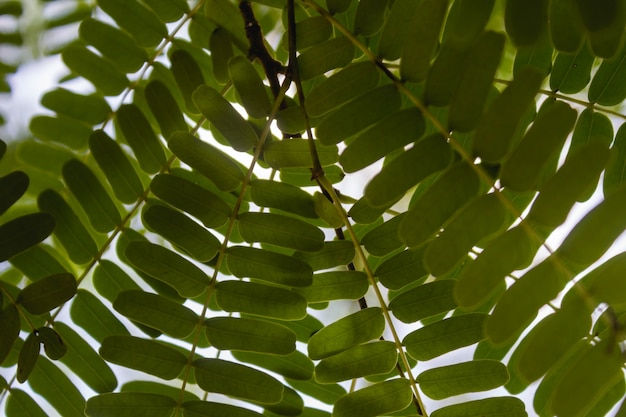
10,329
395,29
252,93
129,404
109,280
525,21
424,301
220,376
571,72
19,403
295,365
61,129
99,71
88,108
283,196
369,17
566,28
53,344
29,353
148,356
231,333
168,267
88,312
207,160
206,408
259,299
461,378
248,262
362,360
347,332
48,293
292,153
157,312
334,253
164,108
375,400
608,86
402,269
51,383
496,406
21,233
323,57
136,19
141,138
280,230
335,285
188,75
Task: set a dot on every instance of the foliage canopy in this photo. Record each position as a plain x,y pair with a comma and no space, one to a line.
184,233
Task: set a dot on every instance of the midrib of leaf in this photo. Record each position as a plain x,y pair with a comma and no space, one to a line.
465,156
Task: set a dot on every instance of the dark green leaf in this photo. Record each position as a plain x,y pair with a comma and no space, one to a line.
335,285
385,238
283,196
183,232
21,404
53,344
118,170
334,253
608,86
137,20
525,21
164,108
94,317
323,57
141,138
231,333
167,267
461,378
220,376
207,160
402,269
21,233
91,108
109,280
293,153
571,72
130,404
259,299
497,406
205,408
157,312
29,353
296,365
60,129
309,31
249,262
52,384
280,230
188,76
169,10
347,332
48,293
362,360
147,356
375,400
91,195
101,72
252,93
9,328
566,27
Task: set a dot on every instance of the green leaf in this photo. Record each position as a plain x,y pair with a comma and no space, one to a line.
153,387
169,10
445,336
148,356
229,378
461,378
347,332
571,72
566,28
362,360
385,238
497,128
424,301
10,329
444,75
335,285
164,108
109,280
99,71
508,252
167,267
422,37
341,87
608,86
188,76
157,312
207,207
252,93
295,365
137,20
334,253
88,312
467,103
48,293
586,379
615,172
280,230
221,52
52,384
427,156
360,112
90,109
91,195
291,404
60,129
206,408
604,282
130,404
29,353
21,233
497,406
237,131
595,233
402,269
231,333
591,126
114,44
53,344
369,17
519,305
323,57
467,19
394,33
249,262
20,403
115,165
450,192
207,160
375,400
283,196
525,21
85,362
579,173
141,138
258,299
293,153
523,169
399,129
183,232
